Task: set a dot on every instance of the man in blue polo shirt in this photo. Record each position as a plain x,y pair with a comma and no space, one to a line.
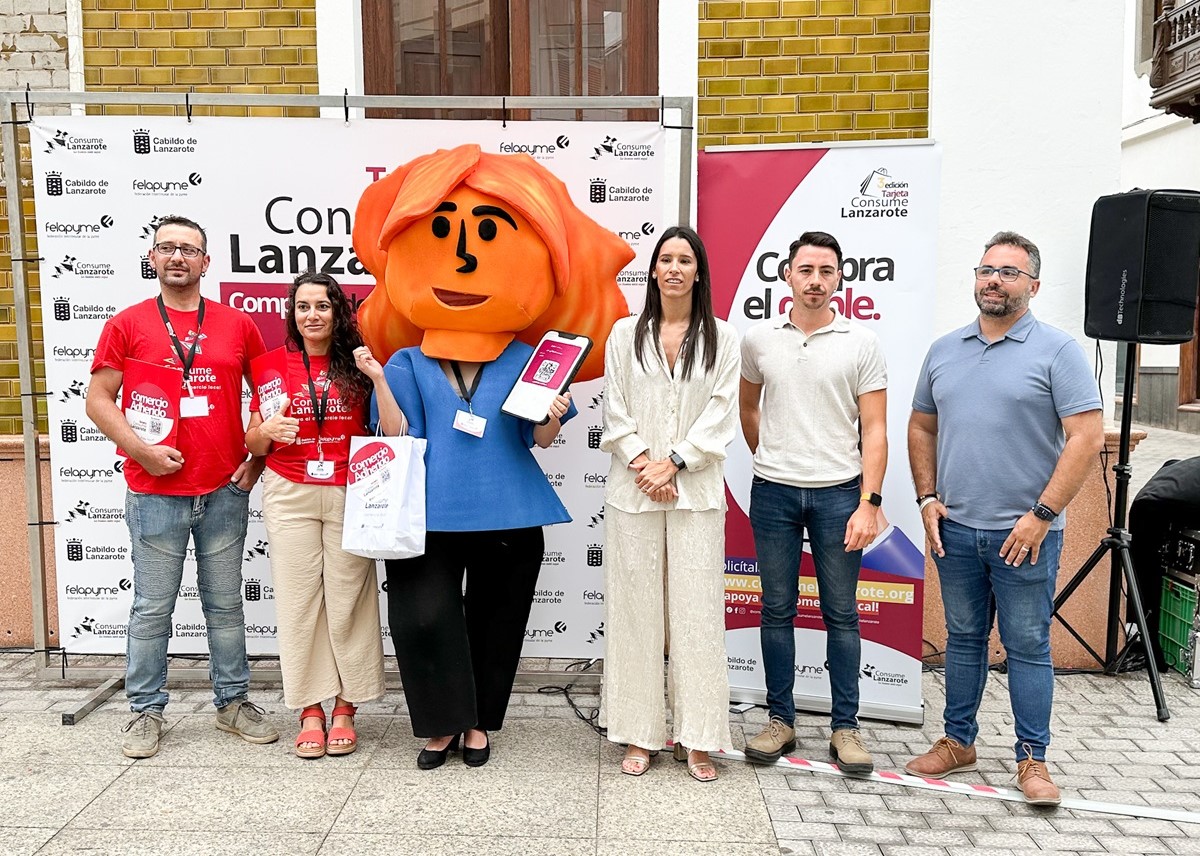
1006,425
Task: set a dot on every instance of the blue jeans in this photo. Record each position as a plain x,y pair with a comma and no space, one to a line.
977,589
159,528
780,515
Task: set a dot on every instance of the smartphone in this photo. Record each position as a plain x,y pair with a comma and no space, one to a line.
549,371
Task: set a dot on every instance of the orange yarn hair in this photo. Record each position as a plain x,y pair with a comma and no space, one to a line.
585,258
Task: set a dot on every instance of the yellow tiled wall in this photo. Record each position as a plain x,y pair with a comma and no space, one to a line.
242,46
784,71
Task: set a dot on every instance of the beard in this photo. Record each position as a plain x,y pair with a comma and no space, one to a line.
1009,304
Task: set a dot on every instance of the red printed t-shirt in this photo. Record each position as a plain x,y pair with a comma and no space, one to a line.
342,421
212,446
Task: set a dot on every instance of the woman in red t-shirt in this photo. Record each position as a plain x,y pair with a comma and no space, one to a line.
326,604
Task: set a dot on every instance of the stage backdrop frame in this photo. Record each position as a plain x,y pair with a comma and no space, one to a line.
17,108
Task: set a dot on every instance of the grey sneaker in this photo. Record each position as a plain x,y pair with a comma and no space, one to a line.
769,745
847,749
141,735
246,720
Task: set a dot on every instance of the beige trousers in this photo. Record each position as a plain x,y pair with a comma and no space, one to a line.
683,554
326,603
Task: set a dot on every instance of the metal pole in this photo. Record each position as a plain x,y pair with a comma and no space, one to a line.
33,482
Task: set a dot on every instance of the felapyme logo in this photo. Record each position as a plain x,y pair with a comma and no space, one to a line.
179,185
879,195
87,475
260,550
634,236
85,270
73,591
64,310
73,354
84,510
611,147
808,670
76,145
894,679
59,185
600,192
545,634
76,389
144,144
595,479
64,229
596,635
261,631
538,151
592,597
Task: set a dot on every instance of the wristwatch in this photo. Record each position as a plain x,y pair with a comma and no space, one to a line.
873,498
678,461
1043,512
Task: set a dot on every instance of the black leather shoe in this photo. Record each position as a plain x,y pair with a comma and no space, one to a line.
431,759
477,757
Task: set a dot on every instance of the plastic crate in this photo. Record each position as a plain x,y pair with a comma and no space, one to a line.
1177,617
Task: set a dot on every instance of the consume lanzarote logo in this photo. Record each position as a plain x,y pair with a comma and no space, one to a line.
880,194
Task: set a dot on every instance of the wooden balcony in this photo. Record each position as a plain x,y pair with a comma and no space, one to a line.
1175,70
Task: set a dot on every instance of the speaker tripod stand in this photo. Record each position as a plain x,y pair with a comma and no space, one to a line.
1116,546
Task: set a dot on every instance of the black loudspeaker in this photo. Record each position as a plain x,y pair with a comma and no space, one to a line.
1143,269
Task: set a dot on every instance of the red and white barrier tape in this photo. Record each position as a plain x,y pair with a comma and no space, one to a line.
968,789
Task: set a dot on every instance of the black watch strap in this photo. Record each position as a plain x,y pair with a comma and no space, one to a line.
678,461
1044,512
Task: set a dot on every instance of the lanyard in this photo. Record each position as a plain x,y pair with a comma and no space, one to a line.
320,408
465,394
191,354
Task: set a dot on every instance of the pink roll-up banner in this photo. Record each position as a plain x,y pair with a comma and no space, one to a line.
881,202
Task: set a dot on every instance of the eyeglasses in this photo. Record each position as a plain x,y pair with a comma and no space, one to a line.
1007,274
186,250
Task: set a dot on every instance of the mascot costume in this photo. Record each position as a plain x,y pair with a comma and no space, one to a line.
475,256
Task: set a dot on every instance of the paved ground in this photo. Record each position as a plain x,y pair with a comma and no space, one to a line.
553,785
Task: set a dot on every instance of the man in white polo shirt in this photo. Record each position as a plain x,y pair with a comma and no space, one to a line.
812,382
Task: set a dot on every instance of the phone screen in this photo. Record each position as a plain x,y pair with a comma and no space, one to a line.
551,363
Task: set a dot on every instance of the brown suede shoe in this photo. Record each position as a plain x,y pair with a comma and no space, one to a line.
846,747
1035,783
944,757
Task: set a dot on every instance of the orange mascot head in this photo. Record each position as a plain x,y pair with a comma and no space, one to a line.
471,250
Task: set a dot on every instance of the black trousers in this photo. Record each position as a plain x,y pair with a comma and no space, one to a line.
458,652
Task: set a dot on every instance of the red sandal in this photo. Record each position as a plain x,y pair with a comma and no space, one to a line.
341,732
312,735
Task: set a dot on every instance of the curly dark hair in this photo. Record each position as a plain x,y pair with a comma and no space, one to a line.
352,385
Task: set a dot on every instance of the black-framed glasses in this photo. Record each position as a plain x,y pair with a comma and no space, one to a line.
186,250
1007,273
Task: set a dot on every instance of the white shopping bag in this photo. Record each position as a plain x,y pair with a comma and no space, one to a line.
385,498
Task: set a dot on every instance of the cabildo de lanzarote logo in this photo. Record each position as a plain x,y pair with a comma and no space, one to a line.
59,185
611,147
77,229
879,195
66,310
599,192
145,143
538,151
77,551
176,185
76,144
71,431
73,266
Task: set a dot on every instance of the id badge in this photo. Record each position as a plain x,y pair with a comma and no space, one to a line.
193,405
469,423
320,469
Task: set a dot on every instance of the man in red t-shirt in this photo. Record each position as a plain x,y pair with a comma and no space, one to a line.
193,482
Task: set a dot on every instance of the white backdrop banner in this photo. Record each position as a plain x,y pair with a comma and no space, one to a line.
276,197
880,202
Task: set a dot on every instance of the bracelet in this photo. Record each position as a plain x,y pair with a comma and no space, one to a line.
927,501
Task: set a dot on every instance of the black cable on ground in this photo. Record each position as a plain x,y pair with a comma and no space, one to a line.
589,718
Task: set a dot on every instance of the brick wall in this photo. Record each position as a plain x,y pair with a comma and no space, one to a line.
784,71
242,46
